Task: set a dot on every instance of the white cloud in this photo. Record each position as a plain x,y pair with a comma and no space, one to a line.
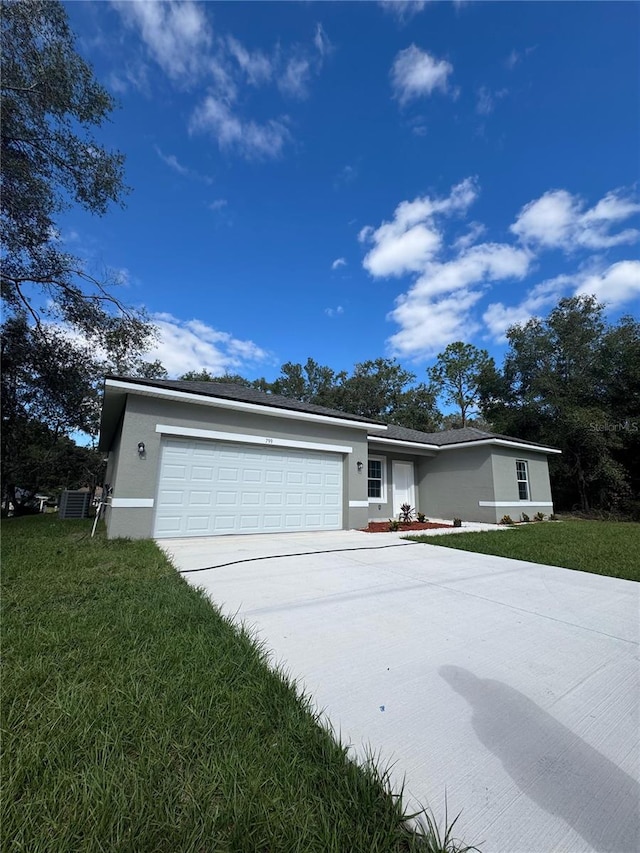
436,308
618,284
247,138
448,279
177,34
498,317
321,41
412,238
194,345
476,230
334,312
516,57
486,262
303,65
339,262
218,204
131,75
403,10
486,99
559,220
172,161
415,73
294,82
346,176
428,325
257,67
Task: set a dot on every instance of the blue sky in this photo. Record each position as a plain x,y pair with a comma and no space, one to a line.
353,180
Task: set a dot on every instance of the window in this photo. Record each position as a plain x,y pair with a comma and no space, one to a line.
522,476
377,484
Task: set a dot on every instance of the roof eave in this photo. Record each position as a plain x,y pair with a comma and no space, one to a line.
237,405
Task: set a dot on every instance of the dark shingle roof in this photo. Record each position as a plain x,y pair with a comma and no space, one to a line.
231,391
239,393
466,435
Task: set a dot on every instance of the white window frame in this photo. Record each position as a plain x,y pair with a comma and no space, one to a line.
383,479
524,480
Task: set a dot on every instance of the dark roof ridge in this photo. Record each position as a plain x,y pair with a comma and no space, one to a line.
442,438
242,394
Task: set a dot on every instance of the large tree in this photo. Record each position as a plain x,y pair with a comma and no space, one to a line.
457,374
70,321
572,380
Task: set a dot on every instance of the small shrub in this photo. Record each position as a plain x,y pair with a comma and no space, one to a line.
394,525
422,517
457,522
506,519
539,516
525,517
406,513
553,517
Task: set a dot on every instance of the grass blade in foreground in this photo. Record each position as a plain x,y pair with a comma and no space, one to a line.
136,718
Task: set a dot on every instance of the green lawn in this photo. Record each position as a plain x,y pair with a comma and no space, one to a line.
136,718
602,547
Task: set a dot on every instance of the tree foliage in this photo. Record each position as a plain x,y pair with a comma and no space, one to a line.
63,326
457,375
573,381
379,389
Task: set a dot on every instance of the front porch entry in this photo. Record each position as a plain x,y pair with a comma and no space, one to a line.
403,488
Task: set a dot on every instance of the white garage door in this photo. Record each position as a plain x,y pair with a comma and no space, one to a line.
208,488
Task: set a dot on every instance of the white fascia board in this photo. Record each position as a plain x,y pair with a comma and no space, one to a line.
515,503
130,503
222,403
397,443
244,438
517,445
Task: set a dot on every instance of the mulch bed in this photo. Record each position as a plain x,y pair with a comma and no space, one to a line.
383,526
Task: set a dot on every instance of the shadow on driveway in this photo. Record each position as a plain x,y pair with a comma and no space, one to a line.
558,770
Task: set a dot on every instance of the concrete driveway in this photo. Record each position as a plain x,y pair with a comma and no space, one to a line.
511,688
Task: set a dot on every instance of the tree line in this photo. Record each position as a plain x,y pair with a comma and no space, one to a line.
571,380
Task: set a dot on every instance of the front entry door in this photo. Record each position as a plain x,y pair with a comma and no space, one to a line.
404,486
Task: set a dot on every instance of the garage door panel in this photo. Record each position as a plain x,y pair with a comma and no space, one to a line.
226,499
200,472
229,475
209,487
176,472
200,499
171,498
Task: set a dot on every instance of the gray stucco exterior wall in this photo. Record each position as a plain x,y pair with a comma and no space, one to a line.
136,478
506,484
480,484
453,483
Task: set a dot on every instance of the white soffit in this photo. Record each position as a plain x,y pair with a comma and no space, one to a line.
374,439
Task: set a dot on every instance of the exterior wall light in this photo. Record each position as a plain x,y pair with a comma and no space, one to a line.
359,464
141,448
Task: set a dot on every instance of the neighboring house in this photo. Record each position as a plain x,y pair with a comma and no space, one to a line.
207,458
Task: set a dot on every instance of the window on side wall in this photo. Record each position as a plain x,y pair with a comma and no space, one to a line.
377,484
522,476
